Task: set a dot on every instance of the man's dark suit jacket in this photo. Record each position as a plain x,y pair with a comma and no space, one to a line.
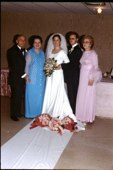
16,63
71,74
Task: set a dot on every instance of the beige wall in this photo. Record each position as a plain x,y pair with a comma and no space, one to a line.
100,27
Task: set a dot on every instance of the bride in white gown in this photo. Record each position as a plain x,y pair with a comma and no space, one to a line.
56,102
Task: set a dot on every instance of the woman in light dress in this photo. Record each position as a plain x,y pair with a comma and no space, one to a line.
90,74
56,102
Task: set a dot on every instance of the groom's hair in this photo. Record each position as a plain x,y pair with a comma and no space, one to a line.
73,33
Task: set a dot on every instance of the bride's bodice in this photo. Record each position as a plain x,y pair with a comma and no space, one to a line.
61,57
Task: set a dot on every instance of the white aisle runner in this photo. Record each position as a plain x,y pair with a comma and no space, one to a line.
37,148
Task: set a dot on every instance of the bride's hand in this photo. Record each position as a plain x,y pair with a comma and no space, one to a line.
58,67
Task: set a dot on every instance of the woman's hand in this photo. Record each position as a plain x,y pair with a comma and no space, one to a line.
58,67
90,82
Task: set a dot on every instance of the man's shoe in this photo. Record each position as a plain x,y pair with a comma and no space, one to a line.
14,118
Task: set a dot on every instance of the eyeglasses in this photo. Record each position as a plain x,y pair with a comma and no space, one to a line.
71,38
86,42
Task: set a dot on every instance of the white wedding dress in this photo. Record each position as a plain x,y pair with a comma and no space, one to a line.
56,102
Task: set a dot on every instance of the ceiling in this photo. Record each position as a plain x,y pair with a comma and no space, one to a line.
57,7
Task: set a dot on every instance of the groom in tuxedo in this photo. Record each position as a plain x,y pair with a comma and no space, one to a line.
16,63
71,70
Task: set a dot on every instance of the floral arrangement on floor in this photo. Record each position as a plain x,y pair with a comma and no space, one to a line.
54,124
49,66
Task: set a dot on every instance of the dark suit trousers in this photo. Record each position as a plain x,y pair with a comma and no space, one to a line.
17,91
72,87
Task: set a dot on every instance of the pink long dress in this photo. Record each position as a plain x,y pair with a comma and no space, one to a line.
85,105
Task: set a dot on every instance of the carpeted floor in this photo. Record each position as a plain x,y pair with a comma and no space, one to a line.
91,149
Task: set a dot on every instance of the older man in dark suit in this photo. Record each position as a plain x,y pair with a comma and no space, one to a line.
72,69
16,62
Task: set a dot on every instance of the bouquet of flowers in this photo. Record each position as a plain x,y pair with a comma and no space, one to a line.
49,66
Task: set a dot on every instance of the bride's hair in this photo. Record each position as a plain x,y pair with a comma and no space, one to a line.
50,43
56,35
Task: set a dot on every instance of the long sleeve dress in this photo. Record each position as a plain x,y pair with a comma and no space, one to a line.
56,102
34,93
85,106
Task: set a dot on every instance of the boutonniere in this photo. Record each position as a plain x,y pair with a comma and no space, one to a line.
70,51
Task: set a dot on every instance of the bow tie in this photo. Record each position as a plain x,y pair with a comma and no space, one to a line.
23,51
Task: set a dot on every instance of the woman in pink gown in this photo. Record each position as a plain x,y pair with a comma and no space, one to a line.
90,74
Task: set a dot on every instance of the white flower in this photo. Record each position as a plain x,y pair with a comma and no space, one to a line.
71,49
49,66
